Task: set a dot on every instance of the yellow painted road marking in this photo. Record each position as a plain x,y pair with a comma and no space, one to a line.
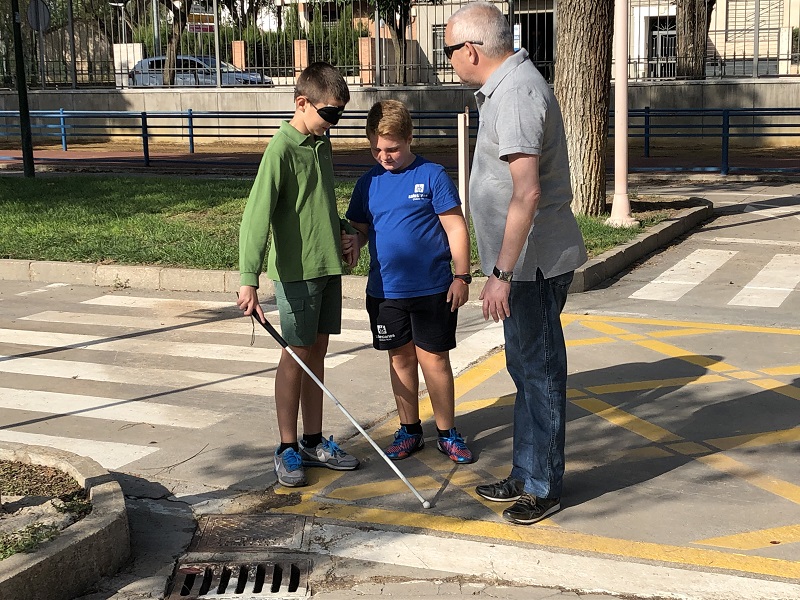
779,387
756,440
790,370
691,324
754,540
689,448
744,375
618,417
590,342
473,405
603,327
707,362
550,537
726,464
654,384
632,337
677,332
480,373
376,489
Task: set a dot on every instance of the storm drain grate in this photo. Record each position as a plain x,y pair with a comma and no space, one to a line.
249,580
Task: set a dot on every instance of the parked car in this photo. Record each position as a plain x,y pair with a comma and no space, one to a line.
192,70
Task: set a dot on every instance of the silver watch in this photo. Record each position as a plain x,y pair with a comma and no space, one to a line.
506,276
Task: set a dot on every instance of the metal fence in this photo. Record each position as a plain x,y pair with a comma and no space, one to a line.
137,43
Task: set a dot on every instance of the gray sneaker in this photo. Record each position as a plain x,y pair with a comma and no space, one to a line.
289,468
328,454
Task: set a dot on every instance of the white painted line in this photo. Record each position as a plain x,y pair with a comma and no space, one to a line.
771,211
674,283
751,241
172,379
476,346
182,307
144,345
44,289
110,455
772,284
495,561
170,304
239,326
112,409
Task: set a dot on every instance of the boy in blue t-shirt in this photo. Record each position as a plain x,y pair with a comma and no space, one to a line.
408,209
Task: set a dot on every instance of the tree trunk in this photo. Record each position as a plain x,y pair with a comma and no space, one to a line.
692,32
178,23
583,89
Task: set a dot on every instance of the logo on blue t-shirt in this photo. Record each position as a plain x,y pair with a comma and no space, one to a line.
419,193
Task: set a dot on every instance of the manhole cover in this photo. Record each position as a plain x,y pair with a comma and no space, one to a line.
221,533
194,581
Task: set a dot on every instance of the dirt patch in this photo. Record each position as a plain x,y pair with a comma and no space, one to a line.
37,503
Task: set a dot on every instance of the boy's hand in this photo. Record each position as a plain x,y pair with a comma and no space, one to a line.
351,249
458,294
248,302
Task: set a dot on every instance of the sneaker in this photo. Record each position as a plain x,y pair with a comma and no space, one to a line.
289,468
530,509
455,447
508,490
404,444
328,454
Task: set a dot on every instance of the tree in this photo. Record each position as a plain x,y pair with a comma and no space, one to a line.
178,13
397,15
693,19
583,88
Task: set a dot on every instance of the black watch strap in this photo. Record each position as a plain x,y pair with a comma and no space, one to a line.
465,278
506,276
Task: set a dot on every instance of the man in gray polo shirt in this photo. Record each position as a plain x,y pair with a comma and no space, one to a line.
529,244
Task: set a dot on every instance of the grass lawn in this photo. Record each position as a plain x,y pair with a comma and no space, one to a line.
168,221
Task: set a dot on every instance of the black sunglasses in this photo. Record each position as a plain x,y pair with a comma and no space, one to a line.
331,114
448,50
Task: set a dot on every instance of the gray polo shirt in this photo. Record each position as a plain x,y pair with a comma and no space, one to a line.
520,114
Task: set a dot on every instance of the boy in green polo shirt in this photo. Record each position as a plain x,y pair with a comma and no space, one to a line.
293,194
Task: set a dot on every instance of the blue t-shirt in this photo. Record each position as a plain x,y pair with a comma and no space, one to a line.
409,252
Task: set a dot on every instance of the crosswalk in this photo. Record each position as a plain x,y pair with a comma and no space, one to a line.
770,287
73,379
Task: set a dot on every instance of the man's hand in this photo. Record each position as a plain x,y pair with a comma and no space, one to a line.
495,299
351,249
248,302
458,294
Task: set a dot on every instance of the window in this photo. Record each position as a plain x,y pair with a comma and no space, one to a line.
439,59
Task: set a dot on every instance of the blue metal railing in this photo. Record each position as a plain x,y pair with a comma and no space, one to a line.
648,124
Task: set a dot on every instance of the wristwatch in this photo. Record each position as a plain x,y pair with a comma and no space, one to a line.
465,278
506,276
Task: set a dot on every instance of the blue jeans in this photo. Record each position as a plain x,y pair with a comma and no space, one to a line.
536,358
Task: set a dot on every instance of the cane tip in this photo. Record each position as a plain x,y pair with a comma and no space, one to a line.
426,504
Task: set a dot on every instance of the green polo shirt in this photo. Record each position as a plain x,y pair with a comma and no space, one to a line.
293,195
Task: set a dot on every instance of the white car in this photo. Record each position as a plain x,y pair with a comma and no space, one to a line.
192,71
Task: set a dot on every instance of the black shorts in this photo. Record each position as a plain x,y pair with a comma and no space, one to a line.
425,320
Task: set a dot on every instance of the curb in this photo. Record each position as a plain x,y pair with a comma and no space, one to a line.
592,273
92,548
613,261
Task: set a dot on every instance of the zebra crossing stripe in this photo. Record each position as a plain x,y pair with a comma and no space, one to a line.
677,281
238,326
110,455
773,284
142,345
183,307
170,378
112,409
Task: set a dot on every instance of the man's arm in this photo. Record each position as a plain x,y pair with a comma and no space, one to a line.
521,210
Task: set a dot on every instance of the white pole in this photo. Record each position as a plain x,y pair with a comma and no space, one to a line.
621,206
463,161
